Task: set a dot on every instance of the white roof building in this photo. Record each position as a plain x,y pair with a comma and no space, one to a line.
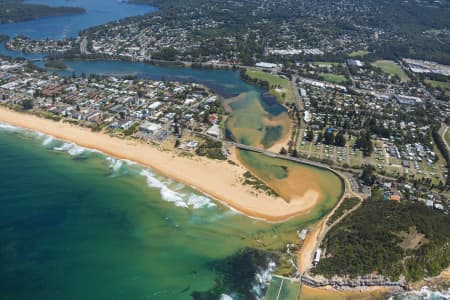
214,131
266,65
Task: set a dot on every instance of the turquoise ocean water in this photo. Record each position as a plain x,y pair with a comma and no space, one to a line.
76,224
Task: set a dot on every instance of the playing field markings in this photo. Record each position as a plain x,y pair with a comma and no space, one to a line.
279,290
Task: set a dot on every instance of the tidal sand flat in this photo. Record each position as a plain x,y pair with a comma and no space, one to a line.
218,179
315,190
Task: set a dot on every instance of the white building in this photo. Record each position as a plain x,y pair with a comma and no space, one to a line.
149,127
266,65
214,131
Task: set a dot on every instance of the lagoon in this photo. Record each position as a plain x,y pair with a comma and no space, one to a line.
77,224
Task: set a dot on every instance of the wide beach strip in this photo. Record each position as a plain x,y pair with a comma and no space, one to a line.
220,180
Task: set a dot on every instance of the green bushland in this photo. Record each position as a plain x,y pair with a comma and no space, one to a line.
368,241
257,184
211,149
346,205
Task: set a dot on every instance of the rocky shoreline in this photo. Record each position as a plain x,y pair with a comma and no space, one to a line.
347,283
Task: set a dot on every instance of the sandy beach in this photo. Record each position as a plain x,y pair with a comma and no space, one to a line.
217,179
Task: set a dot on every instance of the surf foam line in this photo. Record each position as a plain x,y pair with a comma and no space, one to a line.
173,195
423,294
180,199
262,280
72,149
7,125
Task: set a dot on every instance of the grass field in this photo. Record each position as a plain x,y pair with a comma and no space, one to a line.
359,53
392,68
439,84
333,78
282,289
283,94
274,288
447,136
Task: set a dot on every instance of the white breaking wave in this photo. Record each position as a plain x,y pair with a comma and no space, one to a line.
114,164
198,201
8,127
174,195
262,280
225,297
47,141
170,191
424,294
70,148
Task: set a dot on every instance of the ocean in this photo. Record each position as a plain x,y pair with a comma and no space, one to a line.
77,224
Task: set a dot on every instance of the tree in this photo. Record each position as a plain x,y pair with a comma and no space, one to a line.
283,151
368,176
329,138
364,143
319,137
339,140
27,104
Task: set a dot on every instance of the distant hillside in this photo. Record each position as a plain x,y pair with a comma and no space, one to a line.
16,10
243,30
388,238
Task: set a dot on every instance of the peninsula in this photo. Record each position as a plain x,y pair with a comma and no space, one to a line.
17,11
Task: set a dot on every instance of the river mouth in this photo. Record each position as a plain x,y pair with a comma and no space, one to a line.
317,190
111,223
255,118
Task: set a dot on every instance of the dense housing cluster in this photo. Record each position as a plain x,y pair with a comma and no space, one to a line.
151,110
